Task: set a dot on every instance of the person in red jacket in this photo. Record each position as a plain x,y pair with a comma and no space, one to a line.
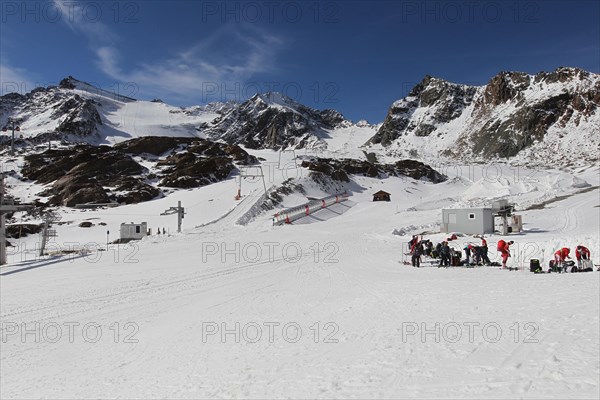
581,253
560,256
505,253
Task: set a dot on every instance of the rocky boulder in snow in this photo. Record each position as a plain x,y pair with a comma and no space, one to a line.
201,162
131,190
160,145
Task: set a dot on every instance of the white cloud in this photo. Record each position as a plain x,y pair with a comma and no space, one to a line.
230,55
224,58
73,15
14,79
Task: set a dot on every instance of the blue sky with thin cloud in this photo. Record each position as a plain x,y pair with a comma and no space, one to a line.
353,56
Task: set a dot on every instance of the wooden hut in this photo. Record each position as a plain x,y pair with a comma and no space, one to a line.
381,196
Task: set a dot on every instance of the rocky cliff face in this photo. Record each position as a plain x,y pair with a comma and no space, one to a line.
431,103
532,116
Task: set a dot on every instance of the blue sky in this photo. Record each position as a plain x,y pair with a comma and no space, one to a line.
354,56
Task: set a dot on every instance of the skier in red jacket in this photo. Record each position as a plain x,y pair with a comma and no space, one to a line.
581,253
560,256
505,253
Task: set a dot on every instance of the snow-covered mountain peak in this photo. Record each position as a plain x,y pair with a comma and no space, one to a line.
274,99
273,120
117,93
537,117
77,111
514,114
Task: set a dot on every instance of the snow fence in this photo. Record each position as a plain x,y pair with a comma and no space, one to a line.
290,215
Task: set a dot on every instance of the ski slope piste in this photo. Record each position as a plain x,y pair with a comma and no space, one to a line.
320,310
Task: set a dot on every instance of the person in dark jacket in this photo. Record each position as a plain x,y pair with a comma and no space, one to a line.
467,250
477,255
416,255
444,254
484,251
438,251
429,249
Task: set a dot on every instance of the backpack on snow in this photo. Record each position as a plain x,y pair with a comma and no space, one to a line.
501,245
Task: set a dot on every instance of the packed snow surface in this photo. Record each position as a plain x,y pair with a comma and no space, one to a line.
236,307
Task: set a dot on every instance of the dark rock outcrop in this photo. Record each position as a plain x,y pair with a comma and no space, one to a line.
340,169
79,175
188,171
80,117
102,174
132,190
155,145
17,231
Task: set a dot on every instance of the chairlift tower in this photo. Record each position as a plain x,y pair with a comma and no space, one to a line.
504,213
50,217
180,211
287,151
6,206
245,173
12,125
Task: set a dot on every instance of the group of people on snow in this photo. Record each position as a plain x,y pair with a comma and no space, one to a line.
478,254
582,254
448,256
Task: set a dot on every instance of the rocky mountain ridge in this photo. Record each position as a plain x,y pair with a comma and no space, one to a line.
274,121
535,118
538,117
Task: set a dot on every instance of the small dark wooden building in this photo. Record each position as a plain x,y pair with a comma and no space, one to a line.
381,196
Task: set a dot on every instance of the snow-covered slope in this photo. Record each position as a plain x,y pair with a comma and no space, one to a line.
236,307
323,310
